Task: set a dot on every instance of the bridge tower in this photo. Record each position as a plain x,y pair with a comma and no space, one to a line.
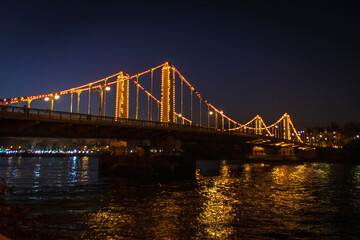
168,94
122,96
258,125
286,126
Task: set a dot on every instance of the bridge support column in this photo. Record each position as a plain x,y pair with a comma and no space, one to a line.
169,145
78,100
258,125
122,96
168,94
29,101
287,127
118,147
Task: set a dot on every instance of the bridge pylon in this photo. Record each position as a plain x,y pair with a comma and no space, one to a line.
167,94
122,96
286,125
258,125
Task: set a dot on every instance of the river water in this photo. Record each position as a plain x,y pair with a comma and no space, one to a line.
224,200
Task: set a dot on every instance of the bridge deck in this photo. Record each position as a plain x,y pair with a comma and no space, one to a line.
30,122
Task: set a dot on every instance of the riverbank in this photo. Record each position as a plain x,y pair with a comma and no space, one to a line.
53,154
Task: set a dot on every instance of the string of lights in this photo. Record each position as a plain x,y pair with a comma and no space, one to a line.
260,125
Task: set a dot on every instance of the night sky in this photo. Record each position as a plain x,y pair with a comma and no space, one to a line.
245,57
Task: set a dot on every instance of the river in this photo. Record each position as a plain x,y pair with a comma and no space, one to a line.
224,200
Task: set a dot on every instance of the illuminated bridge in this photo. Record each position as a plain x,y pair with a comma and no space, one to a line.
164,108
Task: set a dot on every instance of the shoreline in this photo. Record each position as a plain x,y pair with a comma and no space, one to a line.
238,158
57,155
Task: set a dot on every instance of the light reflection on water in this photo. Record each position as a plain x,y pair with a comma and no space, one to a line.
217,209
224,200
36,176
73,172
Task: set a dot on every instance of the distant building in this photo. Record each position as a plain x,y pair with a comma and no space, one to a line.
323,136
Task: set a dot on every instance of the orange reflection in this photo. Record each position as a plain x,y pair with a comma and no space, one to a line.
296,197
105,221
165,214
84,172
217,212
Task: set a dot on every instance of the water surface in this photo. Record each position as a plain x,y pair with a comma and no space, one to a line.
223,200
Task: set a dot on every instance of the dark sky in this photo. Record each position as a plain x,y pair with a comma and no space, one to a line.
245,57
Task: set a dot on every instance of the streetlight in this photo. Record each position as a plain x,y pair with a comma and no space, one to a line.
222,120
102,88
107,88
180,116
51,98
277,131
209,113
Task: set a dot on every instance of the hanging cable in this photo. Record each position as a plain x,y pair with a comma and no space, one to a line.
191,107
105,96
137,97
182,97
152,83
148,108
71,103
158,113
200,112
89,99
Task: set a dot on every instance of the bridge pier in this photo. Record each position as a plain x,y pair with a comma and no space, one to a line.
118,147
168,164
169,145
129,147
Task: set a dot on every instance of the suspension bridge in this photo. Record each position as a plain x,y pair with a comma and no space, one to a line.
156,104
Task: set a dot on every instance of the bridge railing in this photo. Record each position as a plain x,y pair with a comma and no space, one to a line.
36,114
68,116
